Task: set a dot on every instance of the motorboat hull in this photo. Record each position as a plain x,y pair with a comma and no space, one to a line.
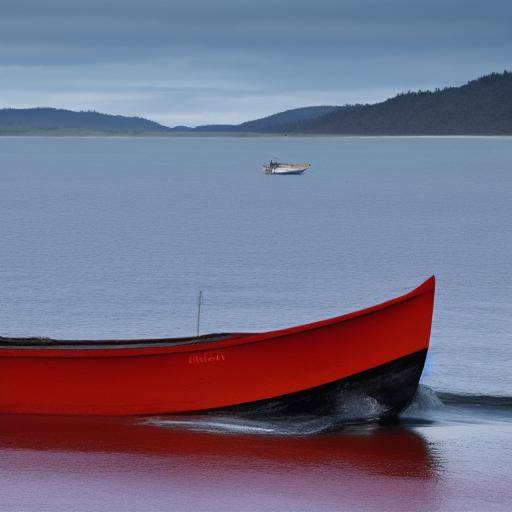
277,168
288,171
142,377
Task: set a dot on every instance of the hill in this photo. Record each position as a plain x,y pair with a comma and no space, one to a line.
51,120
274,123
279,122
480,107
54,121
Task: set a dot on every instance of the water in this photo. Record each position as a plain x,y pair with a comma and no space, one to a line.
442,457
114,237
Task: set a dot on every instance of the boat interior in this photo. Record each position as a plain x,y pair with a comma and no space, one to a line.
41,342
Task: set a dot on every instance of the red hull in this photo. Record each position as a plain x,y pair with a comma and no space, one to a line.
156,377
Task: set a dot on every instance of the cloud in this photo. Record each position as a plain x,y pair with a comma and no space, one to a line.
237,59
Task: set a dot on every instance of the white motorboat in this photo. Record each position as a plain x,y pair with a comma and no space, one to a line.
275,167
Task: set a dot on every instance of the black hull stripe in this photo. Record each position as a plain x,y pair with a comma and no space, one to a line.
392,385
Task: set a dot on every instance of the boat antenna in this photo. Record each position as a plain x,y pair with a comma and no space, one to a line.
199,311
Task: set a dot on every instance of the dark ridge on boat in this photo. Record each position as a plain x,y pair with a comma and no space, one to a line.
36,341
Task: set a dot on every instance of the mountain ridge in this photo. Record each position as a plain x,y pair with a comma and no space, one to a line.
480,107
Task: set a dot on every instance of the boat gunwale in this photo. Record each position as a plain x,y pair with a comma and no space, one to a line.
165,346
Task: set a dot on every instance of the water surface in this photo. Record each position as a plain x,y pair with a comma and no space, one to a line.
114,238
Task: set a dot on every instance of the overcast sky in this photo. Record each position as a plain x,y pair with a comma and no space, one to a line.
203,61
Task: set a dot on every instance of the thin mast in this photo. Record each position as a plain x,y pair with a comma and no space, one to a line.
199,311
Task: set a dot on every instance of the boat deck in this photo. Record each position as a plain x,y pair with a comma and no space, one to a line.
41,342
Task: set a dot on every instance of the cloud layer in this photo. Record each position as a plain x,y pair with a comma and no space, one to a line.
202,61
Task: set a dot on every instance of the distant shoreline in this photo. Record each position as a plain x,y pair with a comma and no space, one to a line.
212,135
479,108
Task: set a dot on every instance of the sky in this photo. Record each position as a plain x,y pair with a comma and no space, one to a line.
226,61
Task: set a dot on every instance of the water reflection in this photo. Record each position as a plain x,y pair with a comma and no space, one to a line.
387,451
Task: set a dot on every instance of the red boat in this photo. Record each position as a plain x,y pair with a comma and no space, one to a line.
378,352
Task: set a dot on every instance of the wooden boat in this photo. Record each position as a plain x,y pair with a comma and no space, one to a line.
377,352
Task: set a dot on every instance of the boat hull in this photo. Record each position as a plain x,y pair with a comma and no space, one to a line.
381,392
289,171
286,168
92,378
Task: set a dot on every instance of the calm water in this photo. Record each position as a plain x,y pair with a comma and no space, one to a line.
114,237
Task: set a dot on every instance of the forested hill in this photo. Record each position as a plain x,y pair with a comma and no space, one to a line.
278,122
51,120
482,106
275,123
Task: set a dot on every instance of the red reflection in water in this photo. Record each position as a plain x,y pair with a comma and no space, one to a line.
87,462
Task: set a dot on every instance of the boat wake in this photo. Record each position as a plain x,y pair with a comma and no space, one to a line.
353,411
440,407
